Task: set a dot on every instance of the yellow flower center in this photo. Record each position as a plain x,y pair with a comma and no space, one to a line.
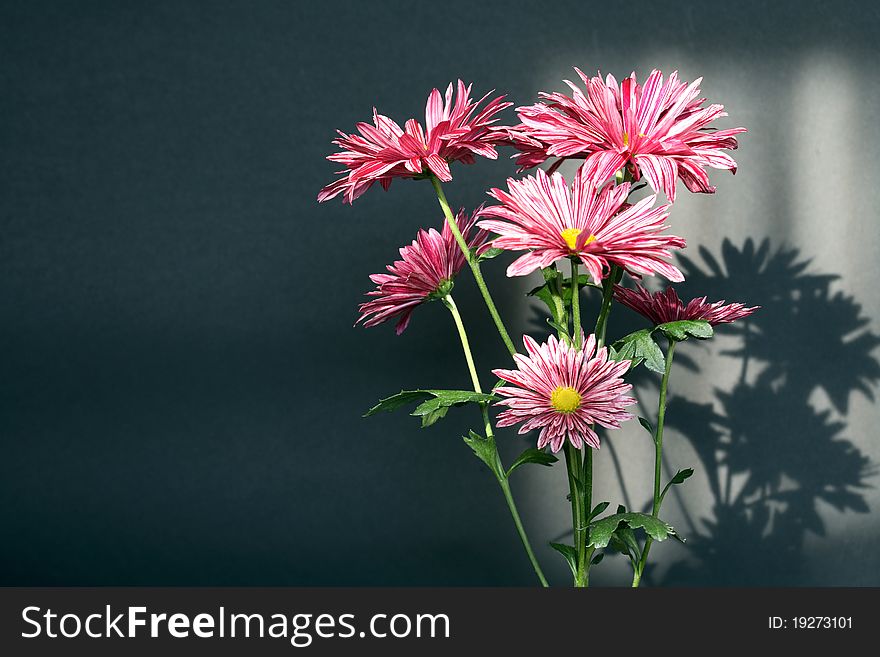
570,235
565,399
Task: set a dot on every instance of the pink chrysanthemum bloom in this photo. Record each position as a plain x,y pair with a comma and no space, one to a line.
456,131
424,273
564,392
662,307
596,226
659,130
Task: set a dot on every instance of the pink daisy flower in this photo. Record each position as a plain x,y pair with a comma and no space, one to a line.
424,273
456,131
596,226
659,130
662,307
564,391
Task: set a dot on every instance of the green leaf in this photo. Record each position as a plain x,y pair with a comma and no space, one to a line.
583,281
680,330
679,478
648,426
435,403
394,402
601,531
430,418
486,451
599,508
570,554
598,558
492,252
563,330
623,540
550,273
446,398
681,475
545,293
640,346
532,455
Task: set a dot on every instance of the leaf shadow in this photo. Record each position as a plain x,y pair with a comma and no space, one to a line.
772,453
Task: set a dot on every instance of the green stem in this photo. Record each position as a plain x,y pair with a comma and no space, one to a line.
559,303
474,264
573,467
605,310
508,497
484,410
585,557
658,458
575,305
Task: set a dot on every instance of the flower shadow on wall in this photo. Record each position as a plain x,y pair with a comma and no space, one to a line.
769,455
764,431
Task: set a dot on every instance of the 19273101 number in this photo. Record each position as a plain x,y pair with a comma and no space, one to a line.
810,623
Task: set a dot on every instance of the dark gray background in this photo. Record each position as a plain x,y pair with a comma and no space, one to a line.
181,385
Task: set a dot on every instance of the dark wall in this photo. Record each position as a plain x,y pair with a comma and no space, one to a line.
181,384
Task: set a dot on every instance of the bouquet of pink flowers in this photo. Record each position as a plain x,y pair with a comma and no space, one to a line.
626,137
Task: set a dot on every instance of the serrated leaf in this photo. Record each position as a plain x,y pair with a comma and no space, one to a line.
647,425
488,254
679,478
681,475
652,355
446,398
680,330
532,455
394,402
599,508
600,531
430,418
569,553
436,405
640,345
485,450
